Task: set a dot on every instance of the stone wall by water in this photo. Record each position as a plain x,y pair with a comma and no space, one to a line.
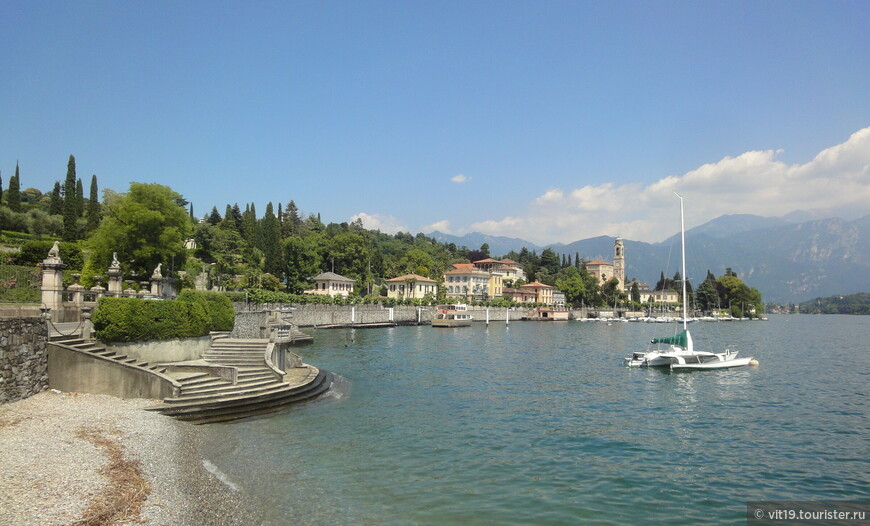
249,317
23,358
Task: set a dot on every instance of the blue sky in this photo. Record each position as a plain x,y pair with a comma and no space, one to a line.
551,121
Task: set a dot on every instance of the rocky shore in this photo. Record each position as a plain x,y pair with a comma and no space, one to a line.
54,472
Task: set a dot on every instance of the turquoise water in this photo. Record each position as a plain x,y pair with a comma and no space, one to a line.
538,423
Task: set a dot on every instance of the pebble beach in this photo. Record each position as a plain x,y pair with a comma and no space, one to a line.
51,474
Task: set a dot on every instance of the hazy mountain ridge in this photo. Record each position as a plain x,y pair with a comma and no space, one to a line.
786,261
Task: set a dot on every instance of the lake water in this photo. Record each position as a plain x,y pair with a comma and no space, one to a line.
539,423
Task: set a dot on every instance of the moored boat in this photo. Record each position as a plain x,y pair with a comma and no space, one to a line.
680,353
452,316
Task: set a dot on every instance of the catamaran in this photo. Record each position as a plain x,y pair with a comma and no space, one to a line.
678,351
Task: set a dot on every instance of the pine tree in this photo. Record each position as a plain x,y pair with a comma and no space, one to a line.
215,217
69,202
13,196
55,206
293,219
93,206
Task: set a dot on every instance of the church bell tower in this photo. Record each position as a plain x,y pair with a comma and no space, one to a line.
619,262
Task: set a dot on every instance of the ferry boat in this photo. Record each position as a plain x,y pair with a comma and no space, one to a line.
452,316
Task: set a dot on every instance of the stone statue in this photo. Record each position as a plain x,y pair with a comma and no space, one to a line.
157,274
55,250
115,263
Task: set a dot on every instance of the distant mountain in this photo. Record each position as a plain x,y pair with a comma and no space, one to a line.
498,245
787,261
728,225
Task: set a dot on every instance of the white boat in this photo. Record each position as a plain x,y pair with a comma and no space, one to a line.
452,316
679,351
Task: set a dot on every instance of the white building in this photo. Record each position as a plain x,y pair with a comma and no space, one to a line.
331,284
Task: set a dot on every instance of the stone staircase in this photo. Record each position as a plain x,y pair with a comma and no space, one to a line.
258,388
98,349
231,381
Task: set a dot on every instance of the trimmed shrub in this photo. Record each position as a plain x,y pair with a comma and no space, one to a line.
33,252
218,306
134,319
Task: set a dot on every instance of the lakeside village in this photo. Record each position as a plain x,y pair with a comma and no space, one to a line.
241,285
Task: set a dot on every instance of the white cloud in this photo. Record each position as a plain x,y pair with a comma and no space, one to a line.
460,178
442,226
836,182
386,224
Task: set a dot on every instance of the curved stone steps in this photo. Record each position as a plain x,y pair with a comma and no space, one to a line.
245,404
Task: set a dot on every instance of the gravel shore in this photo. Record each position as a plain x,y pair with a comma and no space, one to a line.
49,475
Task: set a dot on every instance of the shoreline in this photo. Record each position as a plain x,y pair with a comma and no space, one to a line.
51,475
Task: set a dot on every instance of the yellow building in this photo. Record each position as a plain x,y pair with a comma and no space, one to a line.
543,293
411,286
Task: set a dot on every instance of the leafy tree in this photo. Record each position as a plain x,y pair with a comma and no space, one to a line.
484,250
302,261
742,299
550,261
70,215
40,223
611,292
145,226
93,206
707,297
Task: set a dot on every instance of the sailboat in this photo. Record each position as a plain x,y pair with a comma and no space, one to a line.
678,351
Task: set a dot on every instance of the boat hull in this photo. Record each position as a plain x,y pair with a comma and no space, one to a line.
451,323
724,364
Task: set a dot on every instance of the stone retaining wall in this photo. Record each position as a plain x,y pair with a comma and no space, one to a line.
249,317
23,358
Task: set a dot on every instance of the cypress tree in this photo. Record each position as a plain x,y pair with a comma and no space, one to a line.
69,201
1,188
93,206
271,242
55,206
13,196
80,199
190,212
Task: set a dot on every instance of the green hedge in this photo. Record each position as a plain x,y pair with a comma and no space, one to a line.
134,319
33,252
218,307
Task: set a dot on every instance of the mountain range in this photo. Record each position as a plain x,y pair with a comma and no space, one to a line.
787,259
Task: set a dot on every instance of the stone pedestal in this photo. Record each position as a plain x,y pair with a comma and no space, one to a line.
52,285
115,282
77,296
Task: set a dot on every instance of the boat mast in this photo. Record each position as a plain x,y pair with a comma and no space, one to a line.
683,242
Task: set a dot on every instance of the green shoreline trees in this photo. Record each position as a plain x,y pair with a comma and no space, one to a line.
151,224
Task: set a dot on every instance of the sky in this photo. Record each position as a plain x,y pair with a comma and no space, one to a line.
549,121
